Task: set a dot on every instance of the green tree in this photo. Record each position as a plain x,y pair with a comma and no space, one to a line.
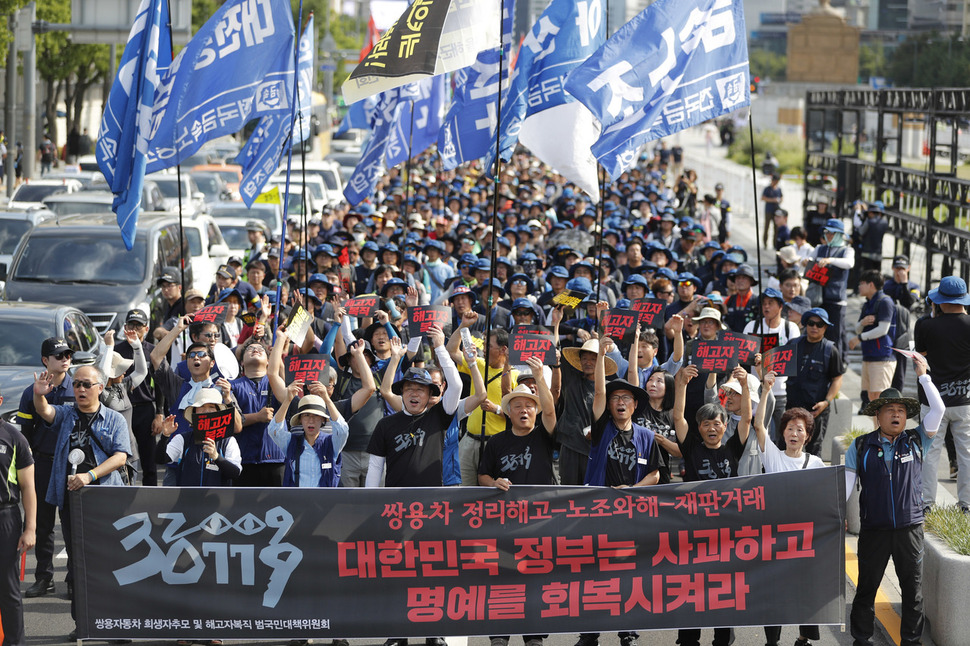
930,60
767,65
872,61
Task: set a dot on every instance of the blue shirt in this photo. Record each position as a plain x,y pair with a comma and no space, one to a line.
112,432
310,465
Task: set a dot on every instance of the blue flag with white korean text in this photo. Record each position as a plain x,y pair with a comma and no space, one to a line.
412,137
675,65
358,116
369,169
239,66
468,132
122,137
261,155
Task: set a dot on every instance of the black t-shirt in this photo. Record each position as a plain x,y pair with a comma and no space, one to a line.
81,439
703,463
14,452
621,455
412,446
523,459
576,406
662,424
946,341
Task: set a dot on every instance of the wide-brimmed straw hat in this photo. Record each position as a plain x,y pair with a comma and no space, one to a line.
592,345
892,396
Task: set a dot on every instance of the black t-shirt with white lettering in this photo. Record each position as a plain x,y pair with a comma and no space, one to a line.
621,454
946,341
523,459
661,423
412,446
704,463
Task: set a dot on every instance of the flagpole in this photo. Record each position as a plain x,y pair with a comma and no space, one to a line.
602,186
757,218
407,167
495,197
289,164
178,181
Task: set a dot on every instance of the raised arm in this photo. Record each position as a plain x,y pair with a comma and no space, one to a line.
478,382
685,374
545,396
277,430
449,401
397,351
468,319
274,368
932,419
633,366
759,415
141,366
744,424
42,386
599,378
160,351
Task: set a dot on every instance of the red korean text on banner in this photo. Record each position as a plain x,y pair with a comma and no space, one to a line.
422,318
817,273
532,329
305,367
621,324
748,345
215,314
715,356
769,342
651,311
362,306
211,426
782,361
523,346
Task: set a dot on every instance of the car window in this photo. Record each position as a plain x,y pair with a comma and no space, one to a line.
194,238
77,208
36,193
11,231
215,236
236,236
81,258
19,342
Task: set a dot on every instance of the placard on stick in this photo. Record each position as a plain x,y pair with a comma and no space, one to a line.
748,345
769,342
817,273
715,356
569,298
782,361
621,324
297,323
523,346
214,425
422,318
305,367
651,310
215,314
366,305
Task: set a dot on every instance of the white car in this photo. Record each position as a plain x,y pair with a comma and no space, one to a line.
31,194
193,200
269,214
236,236
329,172
207,249
316,190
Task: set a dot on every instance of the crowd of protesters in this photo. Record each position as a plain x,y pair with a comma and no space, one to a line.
449,408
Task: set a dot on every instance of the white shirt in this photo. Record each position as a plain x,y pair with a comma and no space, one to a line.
776,461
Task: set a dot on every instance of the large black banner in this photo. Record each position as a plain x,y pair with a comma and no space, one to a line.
301,563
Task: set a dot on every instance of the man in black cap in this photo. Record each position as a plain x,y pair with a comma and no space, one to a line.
143,397
256,232
888,463
56,355
171,304
820,373
742,307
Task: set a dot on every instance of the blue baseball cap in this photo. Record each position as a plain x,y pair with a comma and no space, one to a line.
817,312
835,225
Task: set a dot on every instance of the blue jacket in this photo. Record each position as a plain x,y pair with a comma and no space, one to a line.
892,496
255,445
880,348
112,432
643,439
330,471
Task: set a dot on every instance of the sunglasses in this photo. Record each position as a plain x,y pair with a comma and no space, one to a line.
814,323
85,384
209,335
60,356
197,354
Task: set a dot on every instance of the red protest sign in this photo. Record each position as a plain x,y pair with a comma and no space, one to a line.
620,324
422,318
817,273
781,361
215,313
715,356
651,311
523,346
361,306
211,426
748,345
769,342
305,367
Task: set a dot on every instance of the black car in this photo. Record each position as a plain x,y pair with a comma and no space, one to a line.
23,328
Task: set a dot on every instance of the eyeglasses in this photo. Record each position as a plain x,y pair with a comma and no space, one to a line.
85,384
60,356
519,282
625,399
814,323
197,354
665,292
209,335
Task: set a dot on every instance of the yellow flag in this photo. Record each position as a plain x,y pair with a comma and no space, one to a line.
269,197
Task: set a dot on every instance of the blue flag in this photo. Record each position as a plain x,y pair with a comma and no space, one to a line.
260,157
239,66
675,65
358,116
408,138
468,132
122,137
369,169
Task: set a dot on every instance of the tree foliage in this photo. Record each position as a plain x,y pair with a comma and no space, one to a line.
768,65
872,61
930,60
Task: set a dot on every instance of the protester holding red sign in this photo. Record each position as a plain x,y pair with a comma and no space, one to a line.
643,353
214,463
312,444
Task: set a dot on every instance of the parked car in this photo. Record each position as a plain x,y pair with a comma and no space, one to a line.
193,200
23,328
99,201
14,225
31,194
82,261
269,214
328,171
207,249
350,141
